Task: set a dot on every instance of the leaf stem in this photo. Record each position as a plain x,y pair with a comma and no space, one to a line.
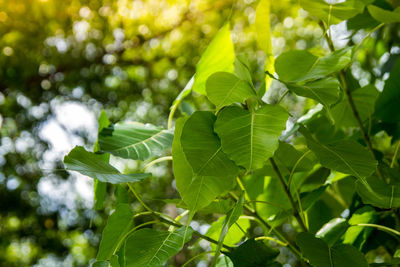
381,227
287,192
151,163
139,198
271,239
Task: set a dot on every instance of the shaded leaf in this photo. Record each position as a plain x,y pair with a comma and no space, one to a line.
202,147
118,224
250,138
196,191
94,165
345,156
364,99
309,66
387,104
333,230
383,15
322,255
254,253
148,247
135,140
384,195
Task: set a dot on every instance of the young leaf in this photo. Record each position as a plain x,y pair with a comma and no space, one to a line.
219,56
118,225
94,165
196,191
148,247
250,138
254,253
263,30
202,147
345,156
383,15
224,88
387,104
385,196
322,255
135,140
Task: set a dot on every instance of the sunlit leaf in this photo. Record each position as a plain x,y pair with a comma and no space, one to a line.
224,88
219,56
250,138
263,30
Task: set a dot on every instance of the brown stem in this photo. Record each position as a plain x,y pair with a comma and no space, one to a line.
287,191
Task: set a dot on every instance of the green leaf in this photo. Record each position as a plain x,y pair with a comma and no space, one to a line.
322,255
202,147
135,140
333,230
364,99
100,188
242,69
334,14
224,261
235,233
219,56
118,224
101,264
254,253
345,156
250,138
224,88
148,247
310,67
357,235
94,165
231,217
384,195
383,15
196,191
263,30
114,261
387,104
326,91
275,204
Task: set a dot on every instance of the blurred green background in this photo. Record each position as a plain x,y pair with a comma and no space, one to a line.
62,62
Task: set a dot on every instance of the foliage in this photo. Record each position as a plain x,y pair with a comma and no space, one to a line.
282,178
333,172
